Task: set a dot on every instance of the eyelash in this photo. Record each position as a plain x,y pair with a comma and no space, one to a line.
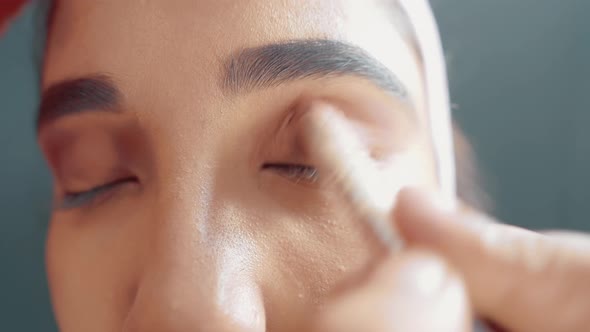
75,200
294,172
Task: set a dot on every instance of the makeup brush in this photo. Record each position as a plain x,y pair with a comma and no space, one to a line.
343,161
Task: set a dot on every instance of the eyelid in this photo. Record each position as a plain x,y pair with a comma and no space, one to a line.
80,199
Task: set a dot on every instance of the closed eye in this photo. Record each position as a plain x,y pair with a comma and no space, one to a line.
294,172
72,200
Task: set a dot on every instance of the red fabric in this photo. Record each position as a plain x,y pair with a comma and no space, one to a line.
9,9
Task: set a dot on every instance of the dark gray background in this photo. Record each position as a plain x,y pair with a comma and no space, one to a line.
519,77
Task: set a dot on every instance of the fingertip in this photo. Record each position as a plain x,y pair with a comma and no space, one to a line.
413,291
420,212
424,200
424,286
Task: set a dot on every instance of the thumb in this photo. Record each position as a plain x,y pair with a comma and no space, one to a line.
514,276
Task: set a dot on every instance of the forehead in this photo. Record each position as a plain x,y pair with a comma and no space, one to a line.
184,39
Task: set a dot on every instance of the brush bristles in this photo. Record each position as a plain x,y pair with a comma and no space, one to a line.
344,162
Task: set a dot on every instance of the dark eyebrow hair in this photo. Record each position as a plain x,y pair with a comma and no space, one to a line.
246,70
78,95
274,64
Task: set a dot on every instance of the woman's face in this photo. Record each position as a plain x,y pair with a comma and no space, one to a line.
184,200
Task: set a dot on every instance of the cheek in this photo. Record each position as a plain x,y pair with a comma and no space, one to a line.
91,274
322,245
308,256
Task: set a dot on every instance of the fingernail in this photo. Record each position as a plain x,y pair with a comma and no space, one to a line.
422,275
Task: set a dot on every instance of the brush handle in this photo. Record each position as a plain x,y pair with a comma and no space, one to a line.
343,162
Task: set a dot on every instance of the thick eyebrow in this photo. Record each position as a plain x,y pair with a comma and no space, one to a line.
275,64
92,93
246,70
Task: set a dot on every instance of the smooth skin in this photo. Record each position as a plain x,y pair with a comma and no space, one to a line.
204,239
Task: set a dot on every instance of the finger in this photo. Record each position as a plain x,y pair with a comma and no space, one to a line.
414,291
577,241
514,276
